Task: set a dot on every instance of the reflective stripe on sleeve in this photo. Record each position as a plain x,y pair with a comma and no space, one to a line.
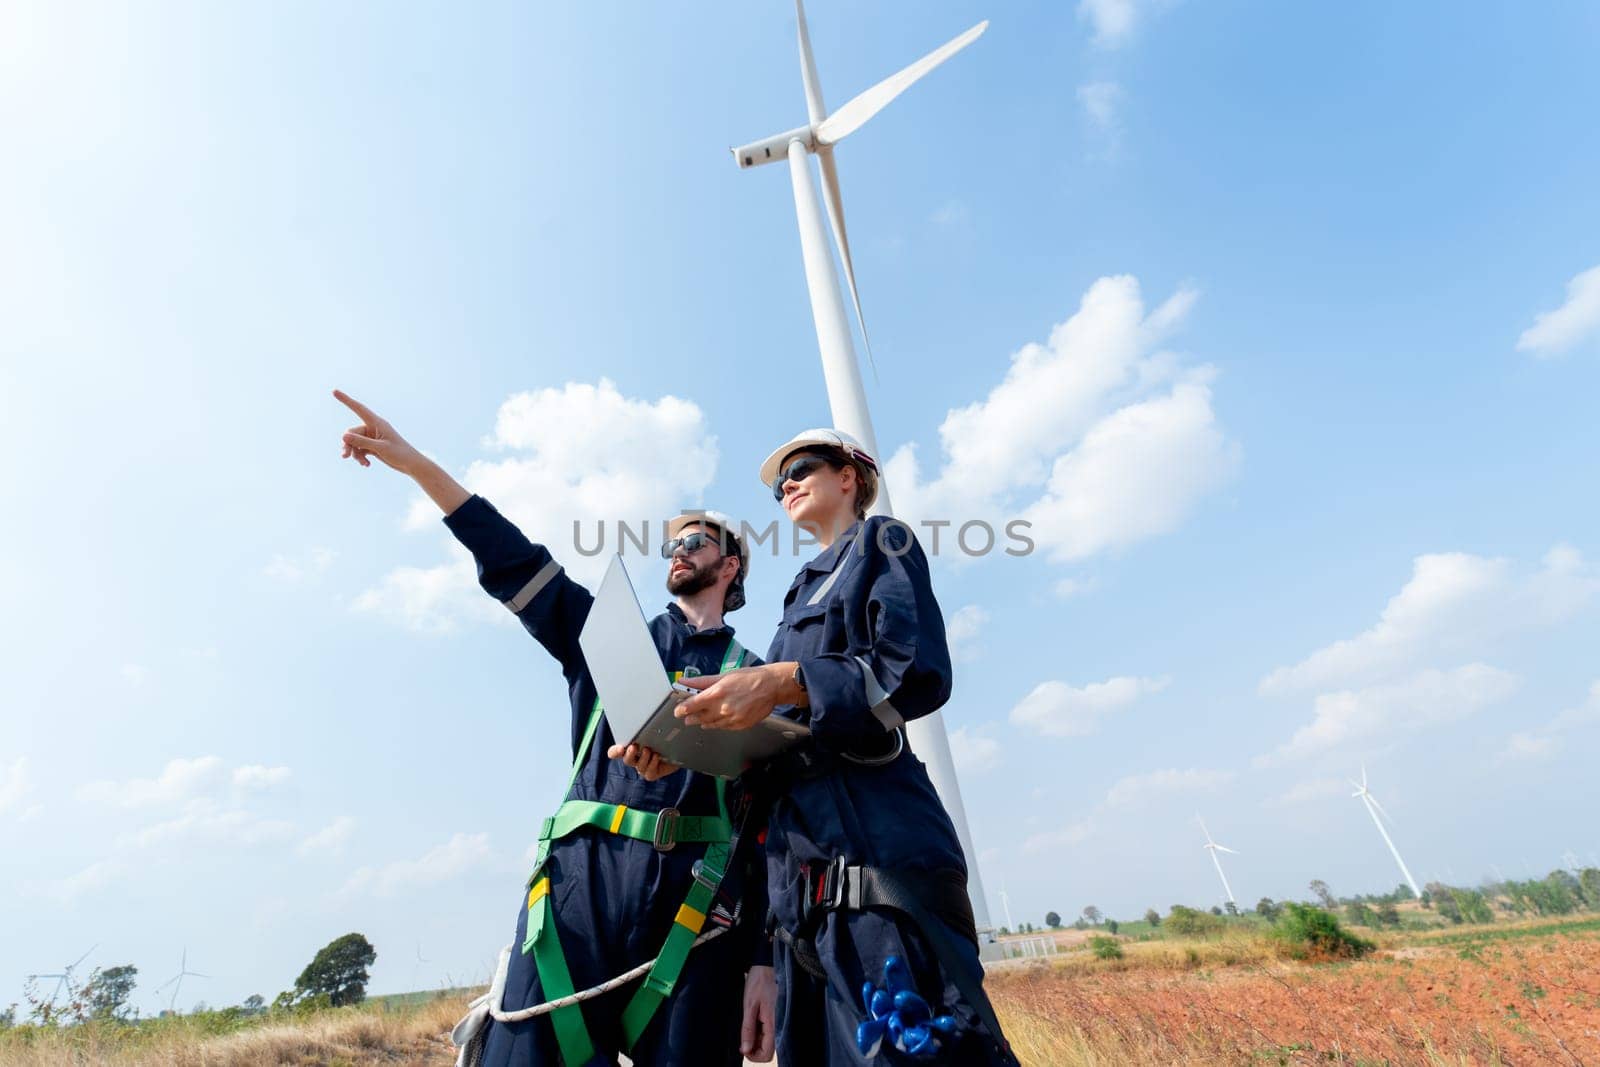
526,594
878,698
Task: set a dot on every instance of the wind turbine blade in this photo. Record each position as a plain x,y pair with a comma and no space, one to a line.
808,69
1381,811
1224,848
839,125
835,208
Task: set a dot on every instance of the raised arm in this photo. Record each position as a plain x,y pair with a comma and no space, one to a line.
375,437
515,571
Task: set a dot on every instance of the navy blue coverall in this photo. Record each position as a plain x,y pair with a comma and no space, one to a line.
614,898
862,622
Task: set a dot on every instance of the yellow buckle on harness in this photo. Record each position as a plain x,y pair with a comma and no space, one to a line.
690,919
540,888
616,817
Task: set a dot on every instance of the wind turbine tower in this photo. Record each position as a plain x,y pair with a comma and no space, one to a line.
1213,848
1375,809
62,976
841,371
176,981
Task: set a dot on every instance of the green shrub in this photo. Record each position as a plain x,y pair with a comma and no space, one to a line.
1187,922
1311,933
1105,948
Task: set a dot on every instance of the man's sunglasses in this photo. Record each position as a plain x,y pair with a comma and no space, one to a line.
689,543
798,471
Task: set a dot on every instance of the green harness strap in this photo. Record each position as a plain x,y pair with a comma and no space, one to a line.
663,976
663,829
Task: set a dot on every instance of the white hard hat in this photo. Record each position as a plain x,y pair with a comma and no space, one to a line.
827,440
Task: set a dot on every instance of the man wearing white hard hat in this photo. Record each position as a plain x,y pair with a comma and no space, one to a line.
876,953
619,862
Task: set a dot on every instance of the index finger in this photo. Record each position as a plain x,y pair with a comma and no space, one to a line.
355,405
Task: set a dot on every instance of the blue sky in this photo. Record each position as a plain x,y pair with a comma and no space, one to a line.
1279,322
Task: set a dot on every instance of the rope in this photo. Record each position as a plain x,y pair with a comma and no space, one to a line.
497,991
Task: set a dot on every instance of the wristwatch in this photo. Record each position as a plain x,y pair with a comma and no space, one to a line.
799,679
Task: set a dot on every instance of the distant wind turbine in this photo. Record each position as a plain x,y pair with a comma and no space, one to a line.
62,976
1213,848
1375,810
176,981
1005,904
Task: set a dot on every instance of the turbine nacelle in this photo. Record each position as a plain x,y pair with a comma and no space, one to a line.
774,149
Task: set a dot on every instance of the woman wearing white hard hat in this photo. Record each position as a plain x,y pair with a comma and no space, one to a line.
875,949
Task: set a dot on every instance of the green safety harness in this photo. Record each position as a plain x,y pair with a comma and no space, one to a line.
664,829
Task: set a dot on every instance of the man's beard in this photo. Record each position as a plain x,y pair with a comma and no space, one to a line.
693,580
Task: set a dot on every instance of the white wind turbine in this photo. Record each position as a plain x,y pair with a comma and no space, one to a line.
840,370
1375,809
62,976
1213,848
176,981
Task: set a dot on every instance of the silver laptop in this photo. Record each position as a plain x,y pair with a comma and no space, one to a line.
639,697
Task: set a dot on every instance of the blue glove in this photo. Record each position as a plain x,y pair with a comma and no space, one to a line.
899,1012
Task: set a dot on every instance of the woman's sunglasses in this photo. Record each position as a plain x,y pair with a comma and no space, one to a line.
689,543
798,471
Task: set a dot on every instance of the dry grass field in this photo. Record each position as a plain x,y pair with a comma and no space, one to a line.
1511,994
1507,994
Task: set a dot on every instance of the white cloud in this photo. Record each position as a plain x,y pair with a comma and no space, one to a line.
964,632
1137,474
1102,103
1453,602
291,569
1113,21
134,674
198,789
205,822
258,777
432,599
1126,792
583,453
1558,331
973,753
1071,587
1071,834
1137,788
1382,712
1098,436
1057,709
461,853
1527,746
1544,741
330,840
180,780
99,875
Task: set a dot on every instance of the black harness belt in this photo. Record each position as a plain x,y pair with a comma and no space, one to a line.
935,901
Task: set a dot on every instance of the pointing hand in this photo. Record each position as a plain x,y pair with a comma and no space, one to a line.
375,437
